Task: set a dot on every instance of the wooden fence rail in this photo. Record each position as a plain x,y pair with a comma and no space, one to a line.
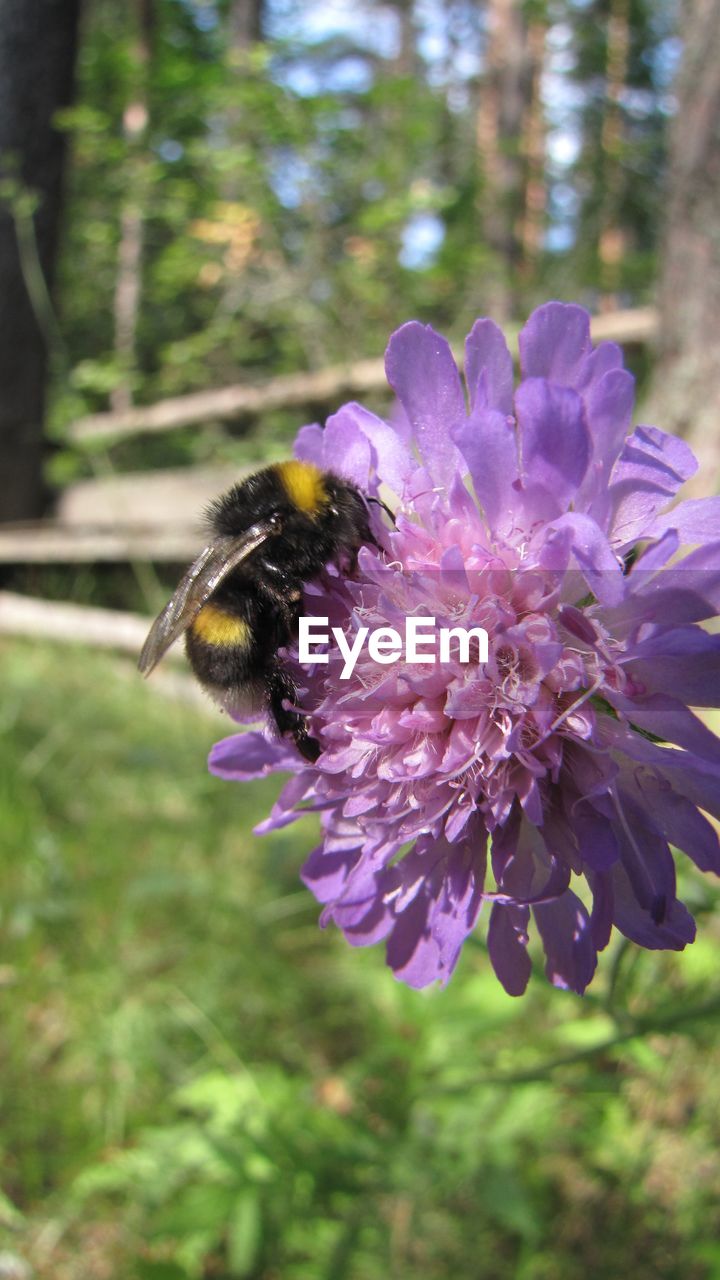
47,543
72,623
123,633
228,404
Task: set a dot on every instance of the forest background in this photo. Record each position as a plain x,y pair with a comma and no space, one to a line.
197,196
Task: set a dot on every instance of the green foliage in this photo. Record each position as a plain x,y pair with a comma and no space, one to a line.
279,187
278,192
200,1083
271,230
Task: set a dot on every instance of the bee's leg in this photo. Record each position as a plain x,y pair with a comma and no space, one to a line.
285,599
280,689
379,503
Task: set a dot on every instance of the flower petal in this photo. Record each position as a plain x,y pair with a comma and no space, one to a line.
646,860
674,817
692,776
346,449
601,916
412,952
555,342
598,844
489,367
592,551
696,520
421,370
656,555
647,475
486,440
392,458
309,445
325,873
636,922
554,444
669,719
507,947
285,811
455,913
251,755
608,411
686,592
604,357
564,926
686,660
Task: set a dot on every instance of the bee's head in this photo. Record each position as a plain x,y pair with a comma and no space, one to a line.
346,516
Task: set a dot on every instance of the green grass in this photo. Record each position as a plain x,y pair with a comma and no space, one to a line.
197,1082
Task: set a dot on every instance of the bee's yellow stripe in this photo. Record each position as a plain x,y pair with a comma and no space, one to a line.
304,485
214,626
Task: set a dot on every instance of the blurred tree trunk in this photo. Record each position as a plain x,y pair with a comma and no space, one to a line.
611,243
128,284
244,30
686,388
245,23
407,62
533,149
38,40
505,98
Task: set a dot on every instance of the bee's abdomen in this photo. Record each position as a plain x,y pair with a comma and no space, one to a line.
219,629
222,648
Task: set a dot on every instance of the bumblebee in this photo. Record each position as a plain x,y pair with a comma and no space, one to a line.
240,601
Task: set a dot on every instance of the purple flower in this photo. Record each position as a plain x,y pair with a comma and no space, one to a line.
550,782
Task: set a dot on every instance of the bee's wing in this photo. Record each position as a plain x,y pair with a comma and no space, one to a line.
212,565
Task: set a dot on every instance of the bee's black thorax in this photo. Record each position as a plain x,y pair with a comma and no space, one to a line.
321,519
